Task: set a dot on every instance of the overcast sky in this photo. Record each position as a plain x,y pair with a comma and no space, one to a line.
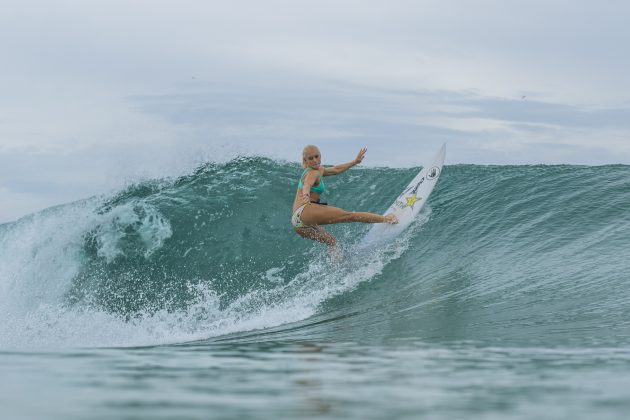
95,94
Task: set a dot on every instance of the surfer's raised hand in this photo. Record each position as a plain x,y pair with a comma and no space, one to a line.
360,156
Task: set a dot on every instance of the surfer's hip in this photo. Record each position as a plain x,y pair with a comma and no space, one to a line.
296,217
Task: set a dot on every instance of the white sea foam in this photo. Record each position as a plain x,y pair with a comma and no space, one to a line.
41,254
152,228
50,323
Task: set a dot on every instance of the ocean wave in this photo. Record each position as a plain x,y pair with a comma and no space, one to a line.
532,251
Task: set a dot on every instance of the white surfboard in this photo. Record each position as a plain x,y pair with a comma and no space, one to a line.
409,202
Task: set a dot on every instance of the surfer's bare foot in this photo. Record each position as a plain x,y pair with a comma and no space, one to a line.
391,219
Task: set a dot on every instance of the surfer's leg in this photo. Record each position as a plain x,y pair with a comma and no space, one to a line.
326,215
317,233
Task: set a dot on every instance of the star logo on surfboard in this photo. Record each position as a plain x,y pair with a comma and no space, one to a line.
411,200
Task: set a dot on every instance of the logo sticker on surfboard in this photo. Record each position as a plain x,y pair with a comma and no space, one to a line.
433,173
411,200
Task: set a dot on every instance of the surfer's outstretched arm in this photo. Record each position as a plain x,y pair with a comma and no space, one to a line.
342,167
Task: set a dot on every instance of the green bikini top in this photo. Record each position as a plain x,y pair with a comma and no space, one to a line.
314,188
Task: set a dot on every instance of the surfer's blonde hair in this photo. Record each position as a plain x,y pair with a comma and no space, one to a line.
305,152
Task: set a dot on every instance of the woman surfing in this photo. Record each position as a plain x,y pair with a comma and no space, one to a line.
309,213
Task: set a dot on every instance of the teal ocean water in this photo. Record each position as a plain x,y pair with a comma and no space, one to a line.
192,298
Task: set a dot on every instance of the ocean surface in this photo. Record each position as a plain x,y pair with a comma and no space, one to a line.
192,298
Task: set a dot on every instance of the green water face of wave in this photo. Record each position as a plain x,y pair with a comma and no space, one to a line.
527,253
